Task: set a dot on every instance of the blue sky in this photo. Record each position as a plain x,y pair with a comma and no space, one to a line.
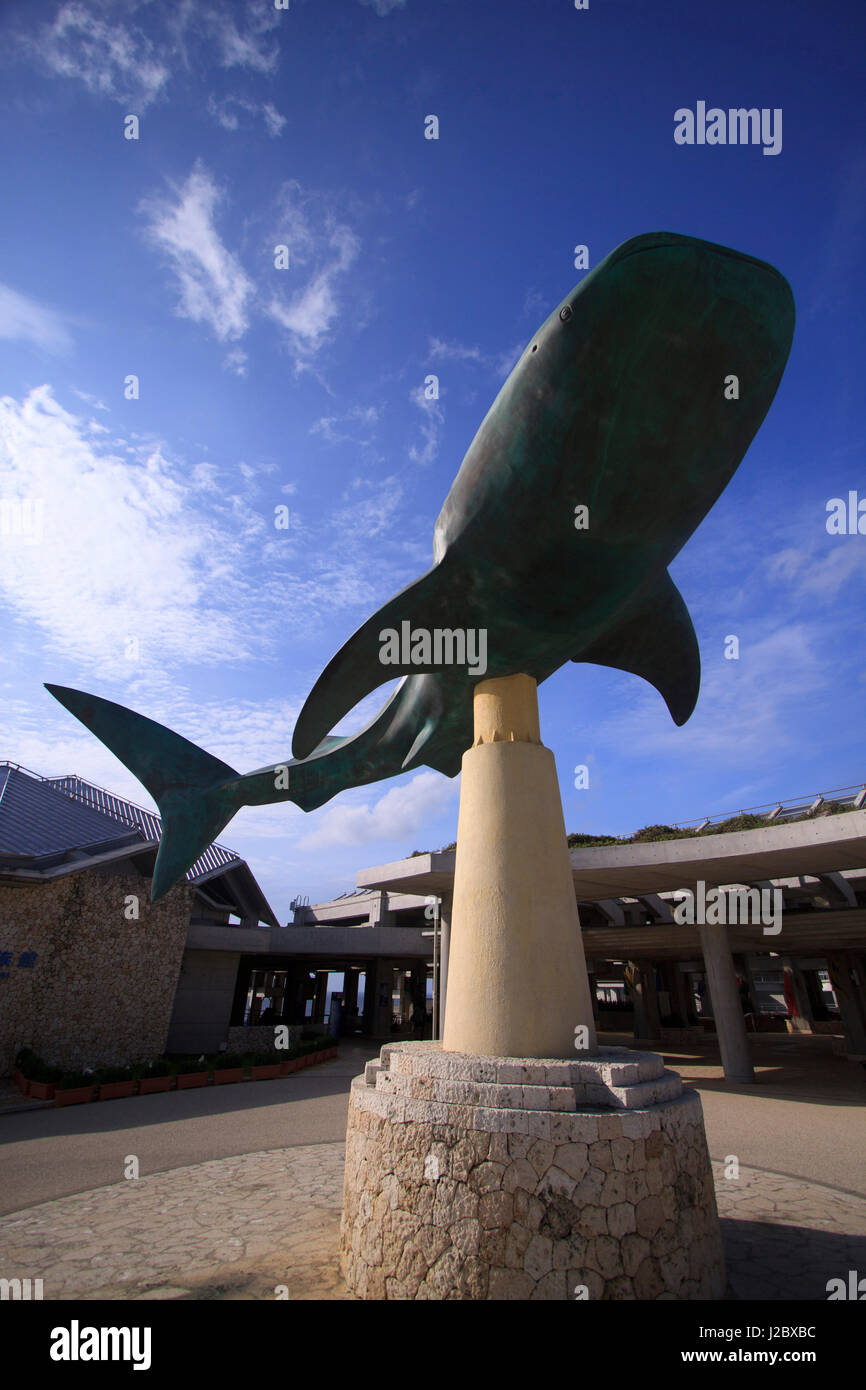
155,575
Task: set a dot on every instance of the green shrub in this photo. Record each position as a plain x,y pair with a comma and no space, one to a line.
228,1061
105,1075
34,1069
44,1071
184,1066
73,1080
160,1067
25,1058
265,1059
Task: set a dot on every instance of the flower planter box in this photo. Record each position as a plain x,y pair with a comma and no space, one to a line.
115,1090
227,1075
77,1096
269,1072
186,1080
149,1085
41,1090
21,1082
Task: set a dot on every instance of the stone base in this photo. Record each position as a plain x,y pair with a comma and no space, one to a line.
471,1177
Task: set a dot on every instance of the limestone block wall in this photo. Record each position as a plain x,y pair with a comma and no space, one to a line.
472,1177
100,989
260,1038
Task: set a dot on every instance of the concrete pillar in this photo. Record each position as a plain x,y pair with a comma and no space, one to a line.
646,1003
377,1001
681,1002
727,1010
517,984
446,908
846,977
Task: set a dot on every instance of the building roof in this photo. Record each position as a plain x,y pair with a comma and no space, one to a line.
36,820
45,821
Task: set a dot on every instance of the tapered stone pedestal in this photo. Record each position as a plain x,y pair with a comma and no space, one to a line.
474,1177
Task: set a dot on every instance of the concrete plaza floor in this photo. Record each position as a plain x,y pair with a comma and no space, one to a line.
219,1214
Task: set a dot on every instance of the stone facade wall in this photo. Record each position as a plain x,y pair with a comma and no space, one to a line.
101,987
260,1038
494,1189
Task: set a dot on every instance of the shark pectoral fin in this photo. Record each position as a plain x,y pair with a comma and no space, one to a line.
369,659
420,739
197,795
657,641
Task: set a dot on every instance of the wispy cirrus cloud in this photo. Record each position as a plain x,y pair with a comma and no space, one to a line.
26,320
214,287
323,248
113,55
229,110
424,453
499,364
113,58
342,429
383,7
818,574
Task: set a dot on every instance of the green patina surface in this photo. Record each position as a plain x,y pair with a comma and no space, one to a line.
618,404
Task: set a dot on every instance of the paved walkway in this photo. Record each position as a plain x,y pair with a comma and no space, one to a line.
264,1225
244,1226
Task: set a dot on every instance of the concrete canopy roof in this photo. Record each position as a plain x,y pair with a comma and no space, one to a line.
816,846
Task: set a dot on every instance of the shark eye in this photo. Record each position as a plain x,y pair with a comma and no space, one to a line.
565,314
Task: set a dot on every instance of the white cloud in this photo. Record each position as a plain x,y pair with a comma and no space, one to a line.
116,59
214,287
428,450
401,812
124,551
225,113
26,320
245,50
91,400
329,426
326,248
441,348
236,361
500,364
110,58
383,7
371,515
818,576
274,122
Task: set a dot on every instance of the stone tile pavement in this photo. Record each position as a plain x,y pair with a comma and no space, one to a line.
244,1227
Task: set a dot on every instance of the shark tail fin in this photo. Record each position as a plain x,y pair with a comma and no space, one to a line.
197,795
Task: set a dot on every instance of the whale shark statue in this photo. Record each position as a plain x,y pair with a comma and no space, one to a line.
618,428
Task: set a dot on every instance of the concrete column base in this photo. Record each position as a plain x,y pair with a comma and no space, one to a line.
474,1177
